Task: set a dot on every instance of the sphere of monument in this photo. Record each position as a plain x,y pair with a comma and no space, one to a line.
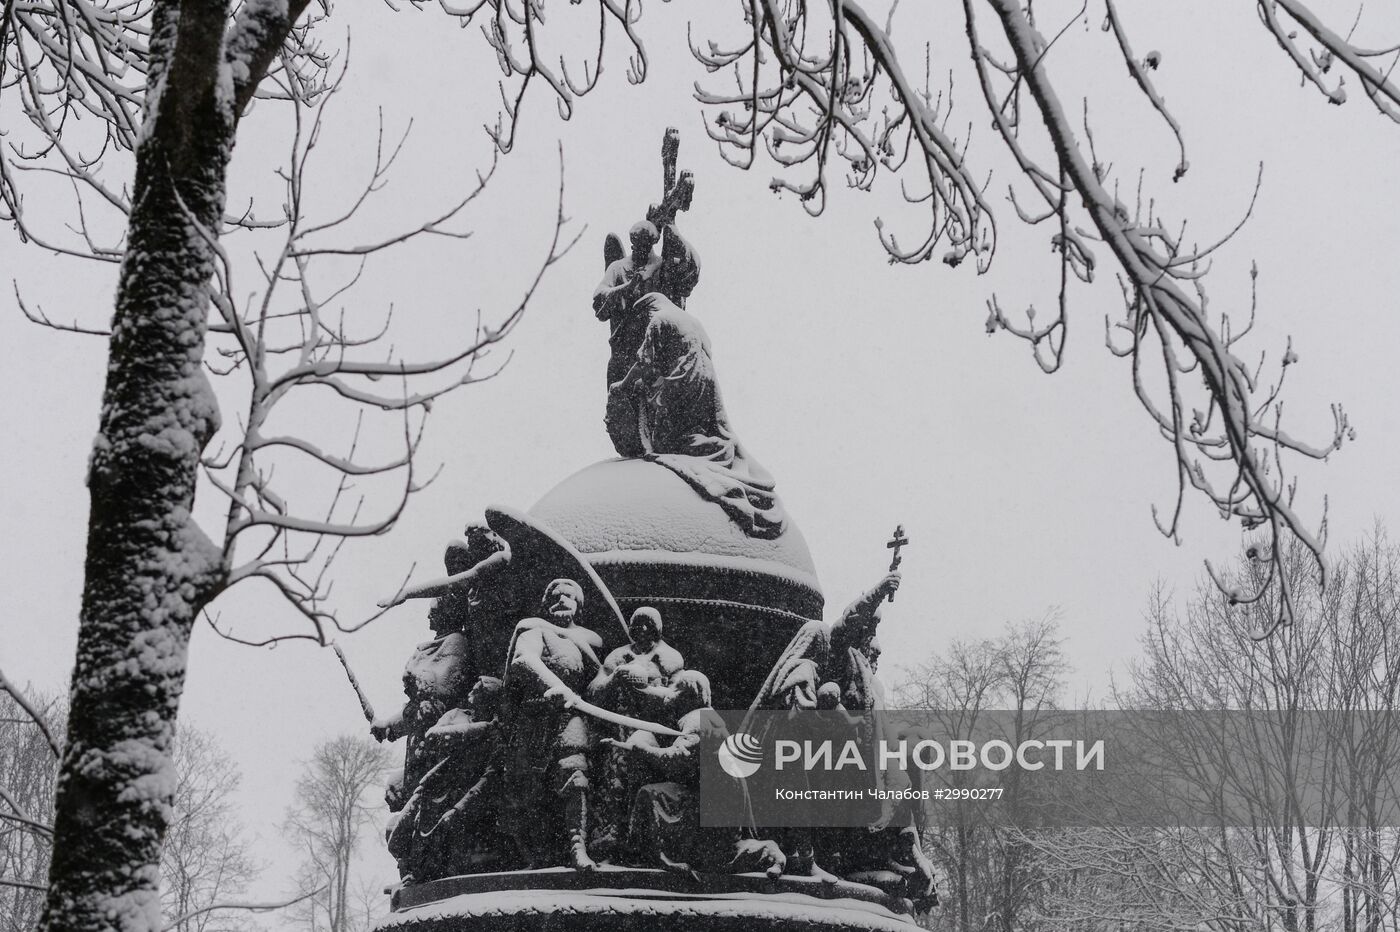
730,601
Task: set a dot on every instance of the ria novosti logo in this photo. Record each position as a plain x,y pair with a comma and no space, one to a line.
740,755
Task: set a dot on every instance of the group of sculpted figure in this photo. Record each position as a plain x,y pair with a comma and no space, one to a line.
515,729
525,748
543,753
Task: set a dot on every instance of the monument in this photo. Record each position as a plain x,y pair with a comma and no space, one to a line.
556,719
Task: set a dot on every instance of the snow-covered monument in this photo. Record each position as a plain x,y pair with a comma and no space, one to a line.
556,721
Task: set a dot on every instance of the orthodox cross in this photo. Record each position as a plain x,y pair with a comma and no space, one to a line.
895,542
677,189
670,151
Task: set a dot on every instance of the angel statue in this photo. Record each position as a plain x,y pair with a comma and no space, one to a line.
627,278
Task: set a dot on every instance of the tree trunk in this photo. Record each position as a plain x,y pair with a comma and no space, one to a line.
149,570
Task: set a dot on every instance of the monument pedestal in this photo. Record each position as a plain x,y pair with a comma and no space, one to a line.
614,899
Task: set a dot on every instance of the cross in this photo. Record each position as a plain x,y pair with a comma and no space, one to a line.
677,188
895,542
670,150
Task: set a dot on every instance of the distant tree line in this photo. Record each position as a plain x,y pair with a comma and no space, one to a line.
1340,656
208,861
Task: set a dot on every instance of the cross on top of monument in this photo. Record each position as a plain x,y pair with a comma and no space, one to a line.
677,189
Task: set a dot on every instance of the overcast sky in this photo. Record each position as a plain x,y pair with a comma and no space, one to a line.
872,393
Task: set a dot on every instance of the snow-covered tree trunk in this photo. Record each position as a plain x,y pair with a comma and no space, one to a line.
149,569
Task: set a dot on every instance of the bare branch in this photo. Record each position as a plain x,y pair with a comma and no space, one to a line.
1384,92
34,714
241,907
1138,69
22,884
39,317
1255,496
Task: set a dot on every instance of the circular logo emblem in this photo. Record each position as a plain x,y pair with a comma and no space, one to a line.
740,755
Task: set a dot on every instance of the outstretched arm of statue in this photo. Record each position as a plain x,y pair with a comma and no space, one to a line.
456,731
674,759
388,728
433,588
867,602
529,655
606,674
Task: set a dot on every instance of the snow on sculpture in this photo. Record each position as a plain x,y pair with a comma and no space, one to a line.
663,394
550,740
627,279
681,422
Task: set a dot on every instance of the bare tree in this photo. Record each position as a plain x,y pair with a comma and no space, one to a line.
1010,686
327,819
1275,868
825,91
206,860
1326,688
28,767
169,85
1266,863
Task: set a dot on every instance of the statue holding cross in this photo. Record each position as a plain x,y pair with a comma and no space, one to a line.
630,277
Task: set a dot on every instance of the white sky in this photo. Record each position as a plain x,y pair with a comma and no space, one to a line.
872,393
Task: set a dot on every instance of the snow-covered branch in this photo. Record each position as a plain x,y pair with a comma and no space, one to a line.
240,907
825,92
1367,65
528,53
819,85
1165,301
290,336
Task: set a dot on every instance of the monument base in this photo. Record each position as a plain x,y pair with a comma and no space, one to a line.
615,899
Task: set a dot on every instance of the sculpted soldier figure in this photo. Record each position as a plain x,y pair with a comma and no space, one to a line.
436,678
665,827
545,773
473,598
448,823
634,678
474,561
